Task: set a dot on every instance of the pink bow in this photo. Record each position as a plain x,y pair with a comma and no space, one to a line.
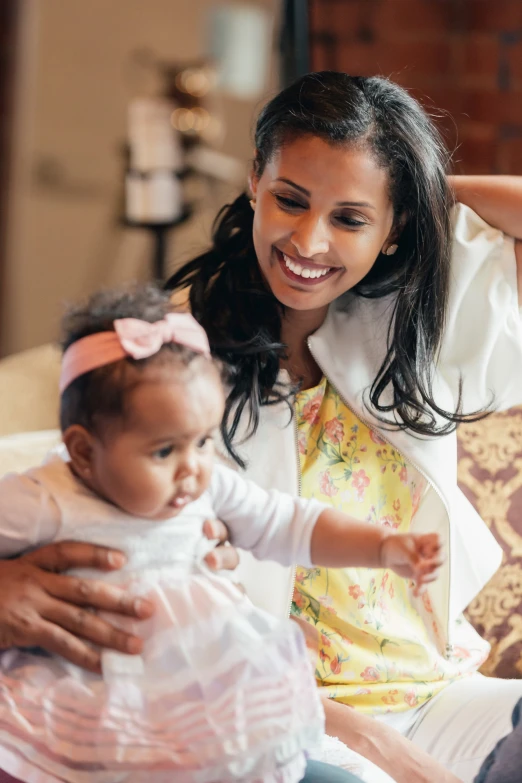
132,337
141,339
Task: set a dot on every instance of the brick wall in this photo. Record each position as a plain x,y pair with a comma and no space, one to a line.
462,56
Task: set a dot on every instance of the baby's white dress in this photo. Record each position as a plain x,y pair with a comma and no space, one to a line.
222,692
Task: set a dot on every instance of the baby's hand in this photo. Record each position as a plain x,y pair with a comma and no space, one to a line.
417,557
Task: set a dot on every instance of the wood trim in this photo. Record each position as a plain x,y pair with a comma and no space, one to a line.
9,18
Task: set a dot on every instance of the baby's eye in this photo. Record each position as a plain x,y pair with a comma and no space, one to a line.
164,452
204,441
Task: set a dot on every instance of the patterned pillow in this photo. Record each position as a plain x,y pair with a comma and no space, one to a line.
490,474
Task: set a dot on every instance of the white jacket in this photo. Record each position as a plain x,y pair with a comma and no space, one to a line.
482,343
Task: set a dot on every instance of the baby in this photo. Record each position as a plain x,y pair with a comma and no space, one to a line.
222,691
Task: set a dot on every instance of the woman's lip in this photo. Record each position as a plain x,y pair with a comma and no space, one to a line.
306,281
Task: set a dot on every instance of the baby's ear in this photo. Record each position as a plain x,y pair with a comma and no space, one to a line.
79,444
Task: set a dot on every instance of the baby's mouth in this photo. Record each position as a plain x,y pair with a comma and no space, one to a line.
180,500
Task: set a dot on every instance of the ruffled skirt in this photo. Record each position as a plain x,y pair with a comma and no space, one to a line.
222,692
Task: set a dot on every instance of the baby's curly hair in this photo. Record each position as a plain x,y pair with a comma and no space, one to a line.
100,394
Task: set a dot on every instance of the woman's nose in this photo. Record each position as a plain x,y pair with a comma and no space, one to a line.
311,237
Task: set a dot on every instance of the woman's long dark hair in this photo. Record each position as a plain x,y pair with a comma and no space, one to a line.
243,318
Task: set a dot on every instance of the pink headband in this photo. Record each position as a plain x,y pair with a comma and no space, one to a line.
132,337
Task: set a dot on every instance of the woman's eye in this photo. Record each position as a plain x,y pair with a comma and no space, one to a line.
344,220
164,452
289,203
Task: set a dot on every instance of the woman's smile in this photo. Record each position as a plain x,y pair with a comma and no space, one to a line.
304,271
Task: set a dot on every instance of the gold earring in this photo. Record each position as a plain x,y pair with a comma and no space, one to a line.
253,204
390,250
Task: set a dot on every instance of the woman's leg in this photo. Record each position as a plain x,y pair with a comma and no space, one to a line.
317,772
462,724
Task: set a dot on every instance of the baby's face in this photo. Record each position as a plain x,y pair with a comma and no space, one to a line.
161,458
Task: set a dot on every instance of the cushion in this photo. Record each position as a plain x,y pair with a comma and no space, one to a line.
490,474
29,390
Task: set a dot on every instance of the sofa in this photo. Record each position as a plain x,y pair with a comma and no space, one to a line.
490,474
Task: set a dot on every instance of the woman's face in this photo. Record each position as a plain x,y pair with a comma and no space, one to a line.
322,216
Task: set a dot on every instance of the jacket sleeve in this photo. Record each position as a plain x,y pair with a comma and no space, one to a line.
482,342
270,524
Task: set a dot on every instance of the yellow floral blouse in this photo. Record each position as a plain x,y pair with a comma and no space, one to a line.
374,643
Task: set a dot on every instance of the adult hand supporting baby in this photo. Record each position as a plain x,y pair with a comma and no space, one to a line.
42,607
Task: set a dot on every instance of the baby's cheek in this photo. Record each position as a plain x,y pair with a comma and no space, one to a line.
206,473
146,488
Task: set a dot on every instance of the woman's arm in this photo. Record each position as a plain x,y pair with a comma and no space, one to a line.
497,199
384,746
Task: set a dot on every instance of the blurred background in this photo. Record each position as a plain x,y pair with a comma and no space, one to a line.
126,124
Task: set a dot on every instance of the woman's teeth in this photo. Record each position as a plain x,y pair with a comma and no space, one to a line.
297,269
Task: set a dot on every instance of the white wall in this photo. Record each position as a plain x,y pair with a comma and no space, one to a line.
74,82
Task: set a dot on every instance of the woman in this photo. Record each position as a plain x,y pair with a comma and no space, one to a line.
341,272
350,228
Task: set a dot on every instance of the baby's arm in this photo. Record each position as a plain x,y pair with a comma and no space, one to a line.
29,515
277,526
339,540
272,525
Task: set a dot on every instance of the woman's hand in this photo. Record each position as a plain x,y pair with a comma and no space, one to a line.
42,607
382,745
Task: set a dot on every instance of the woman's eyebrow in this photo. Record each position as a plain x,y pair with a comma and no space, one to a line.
293,185
339,203
355,204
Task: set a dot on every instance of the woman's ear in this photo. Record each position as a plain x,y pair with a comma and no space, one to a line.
397,230
393,239
79,443
253,177
252,183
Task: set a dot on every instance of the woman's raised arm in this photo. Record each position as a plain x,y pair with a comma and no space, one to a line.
496,198
498,201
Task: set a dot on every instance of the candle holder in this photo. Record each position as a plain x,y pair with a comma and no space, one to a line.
160,234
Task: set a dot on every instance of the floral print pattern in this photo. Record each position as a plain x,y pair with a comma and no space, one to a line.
375,644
